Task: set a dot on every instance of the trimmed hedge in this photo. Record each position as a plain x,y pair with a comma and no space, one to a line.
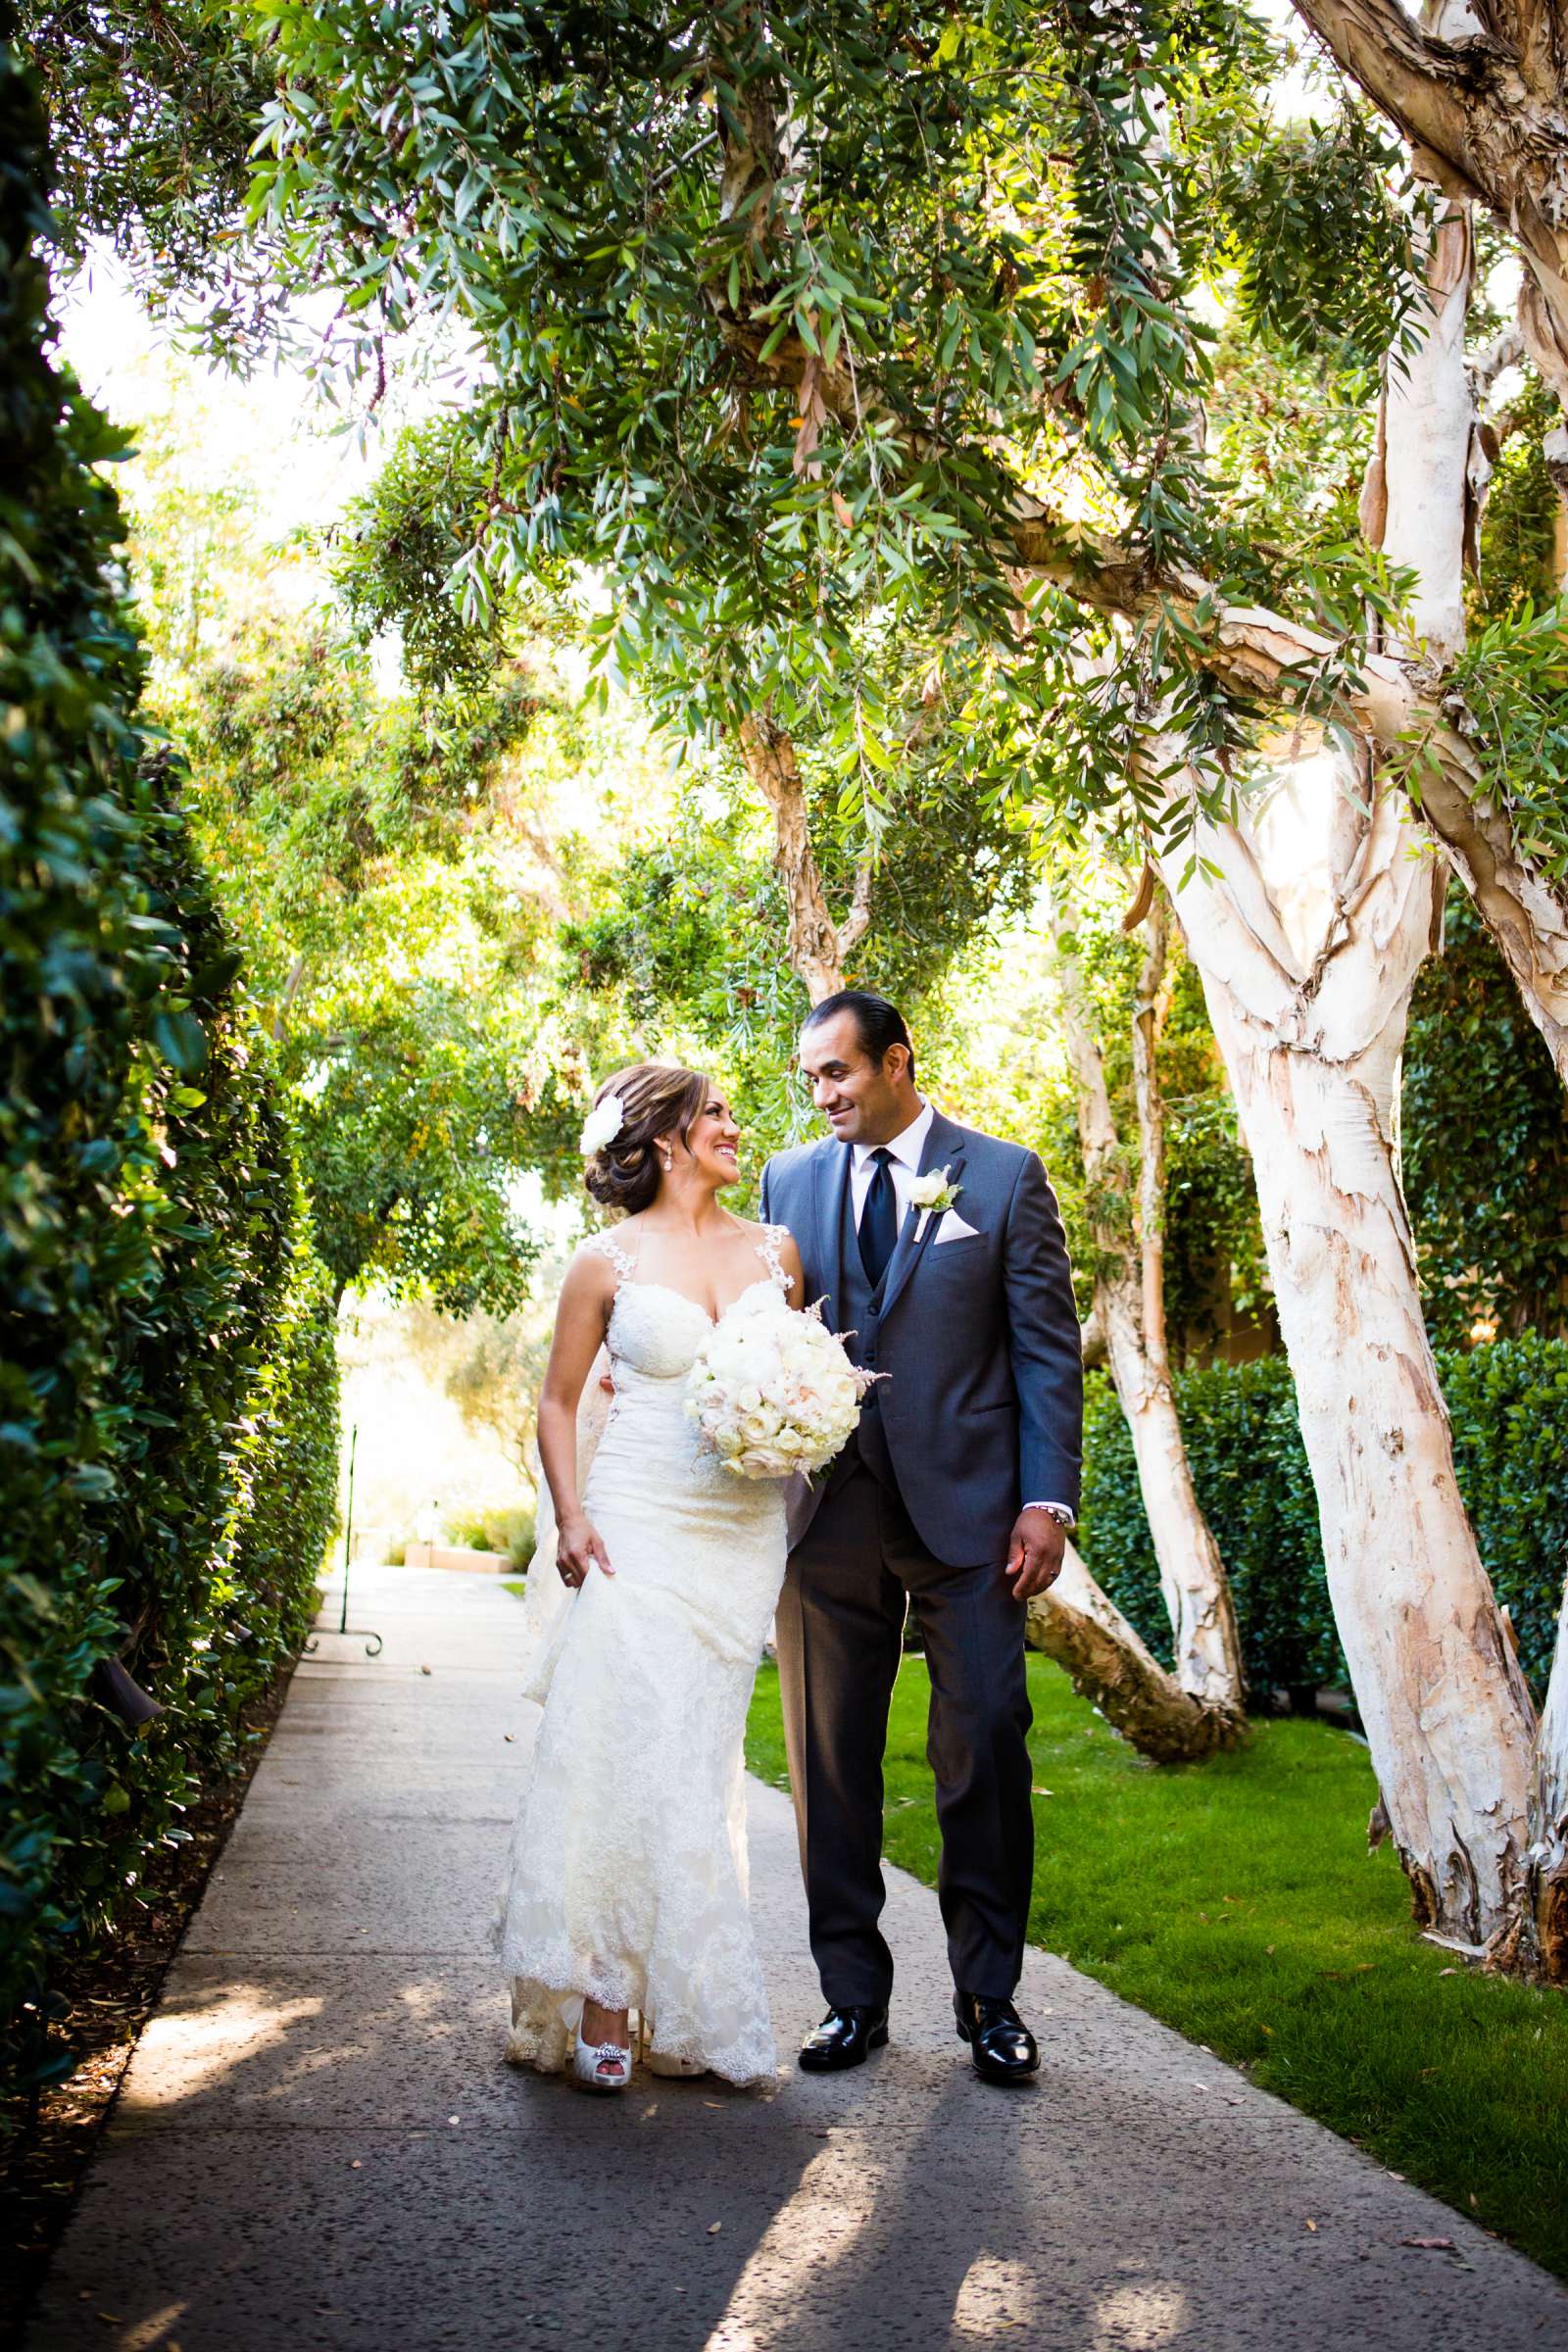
168,1385
1508,1403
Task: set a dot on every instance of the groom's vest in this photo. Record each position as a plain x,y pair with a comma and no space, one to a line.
860,1311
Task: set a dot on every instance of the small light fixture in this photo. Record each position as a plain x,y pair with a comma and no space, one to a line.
1483,1329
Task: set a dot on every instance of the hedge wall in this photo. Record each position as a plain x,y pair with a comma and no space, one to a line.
168,1388
1509,1407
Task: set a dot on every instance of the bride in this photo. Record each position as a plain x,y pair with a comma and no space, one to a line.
627,1883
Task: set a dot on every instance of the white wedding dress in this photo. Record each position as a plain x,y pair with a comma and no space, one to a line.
628,1878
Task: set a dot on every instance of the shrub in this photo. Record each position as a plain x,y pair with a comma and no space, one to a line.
285,1504
167,1392
508,1530
1508,1403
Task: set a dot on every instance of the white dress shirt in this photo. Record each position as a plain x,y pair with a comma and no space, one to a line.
904,1151
905,1165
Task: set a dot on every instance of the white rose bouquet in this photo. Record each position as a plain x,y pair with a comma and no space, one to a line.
773,1392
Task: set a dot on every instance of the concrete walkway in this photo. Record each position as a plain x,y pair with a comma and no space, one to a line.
318,2143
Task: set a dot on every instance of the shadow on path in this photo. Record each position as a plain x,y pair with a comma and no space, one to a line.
318,2144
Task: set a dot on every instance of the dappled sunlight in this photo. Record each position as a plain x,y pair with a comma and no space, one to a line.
1139,2319
190,2050
812,2231
427,2000
998,2292
154,2333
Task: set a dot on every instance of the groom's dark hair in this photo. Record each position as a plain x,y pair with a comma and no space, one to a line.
878,1023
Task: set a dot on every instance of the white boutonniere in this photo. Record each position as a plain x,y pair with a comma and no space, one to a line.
933,1195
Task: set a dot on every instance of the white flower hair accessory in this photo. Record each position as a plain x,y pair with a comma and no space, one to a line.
933,1195
602,1126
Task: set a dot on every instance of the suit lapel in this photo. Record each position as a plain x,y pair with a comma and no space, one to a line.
944,1148
830,1176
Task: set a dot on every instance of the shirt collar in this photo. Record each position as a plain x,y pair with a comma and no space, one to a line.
907,1147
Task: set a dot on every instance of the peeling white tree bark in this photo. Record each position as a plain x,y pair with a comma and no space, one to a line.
1427,442
1546,1925
1311,1028
1308,946
1081,1629
1483,105
1128,1231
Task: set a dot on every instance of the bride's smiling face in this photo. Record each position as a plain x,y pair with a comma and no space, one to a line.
712,1145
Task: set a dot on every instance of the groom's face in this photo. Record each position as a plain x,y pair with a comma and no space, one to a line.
863,1101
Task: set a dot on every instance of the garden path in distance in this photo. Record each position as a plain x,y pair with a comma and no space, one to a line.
318,2143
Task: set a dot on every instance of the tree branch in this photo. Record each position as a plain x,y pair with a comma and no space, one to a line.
1081,1629
817,946
1262,658
1486,119
1149,1020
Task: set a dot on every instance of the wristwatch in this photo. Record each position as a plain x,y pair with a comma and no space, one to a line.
1064,1517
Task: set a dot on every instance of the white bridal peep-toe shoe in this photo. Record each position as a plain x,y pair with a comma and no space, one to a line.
601,2065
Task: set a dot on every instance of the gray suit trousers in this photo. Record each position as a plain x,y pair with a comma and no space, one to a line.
859,1568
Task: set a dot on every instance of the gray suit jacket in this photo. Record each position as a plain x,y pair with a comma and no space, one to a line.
983,1405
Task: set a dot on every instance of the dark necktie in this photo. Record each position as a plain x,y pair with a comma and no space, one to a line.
879,1218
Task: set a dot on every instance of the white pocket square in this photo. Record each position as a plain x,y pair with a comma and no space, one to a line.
953,1228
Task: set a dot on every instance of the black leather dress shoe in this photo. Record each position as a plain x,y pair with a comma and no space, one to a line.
845,2037
999,2042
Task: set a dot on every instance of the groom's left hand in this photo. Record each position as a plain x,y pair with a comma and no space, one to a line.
1035,1554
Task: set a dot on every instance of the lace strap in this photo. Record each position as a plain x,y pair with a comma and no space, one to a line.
767,1250
604,1246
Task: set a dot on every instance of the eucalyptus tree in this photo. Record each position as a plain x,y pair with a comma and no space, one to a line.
1482,96
1125,1184
1321,907
804,339
1479,95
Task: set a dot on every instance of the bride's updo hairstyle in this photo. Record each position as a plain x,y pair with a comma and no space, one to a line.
657,1097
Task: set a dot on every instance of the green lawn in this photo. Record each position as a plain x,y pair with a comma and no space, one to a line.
1237,1900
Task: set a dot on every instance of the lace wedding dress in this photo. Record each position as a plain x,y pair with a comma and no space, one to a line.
628,1878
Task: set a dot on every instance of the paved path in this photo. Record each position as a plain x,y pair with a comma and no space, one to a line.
319,2146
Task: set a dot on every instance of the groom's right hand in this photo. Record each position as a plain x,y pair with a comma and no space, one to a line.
579,1549
1036,1552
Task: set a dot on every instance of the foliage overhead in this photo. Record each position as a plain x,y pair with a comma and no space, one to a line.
152,113
784,322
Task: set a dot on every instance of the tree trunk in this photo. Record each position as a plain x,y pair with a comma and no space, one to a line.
1544,1941
1427,439
1130,1306
1083,1632
1311,1028
1524,916
1308,946
817,947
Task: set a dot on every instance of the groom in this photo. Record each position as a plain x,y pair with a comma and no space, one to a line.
942,1251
